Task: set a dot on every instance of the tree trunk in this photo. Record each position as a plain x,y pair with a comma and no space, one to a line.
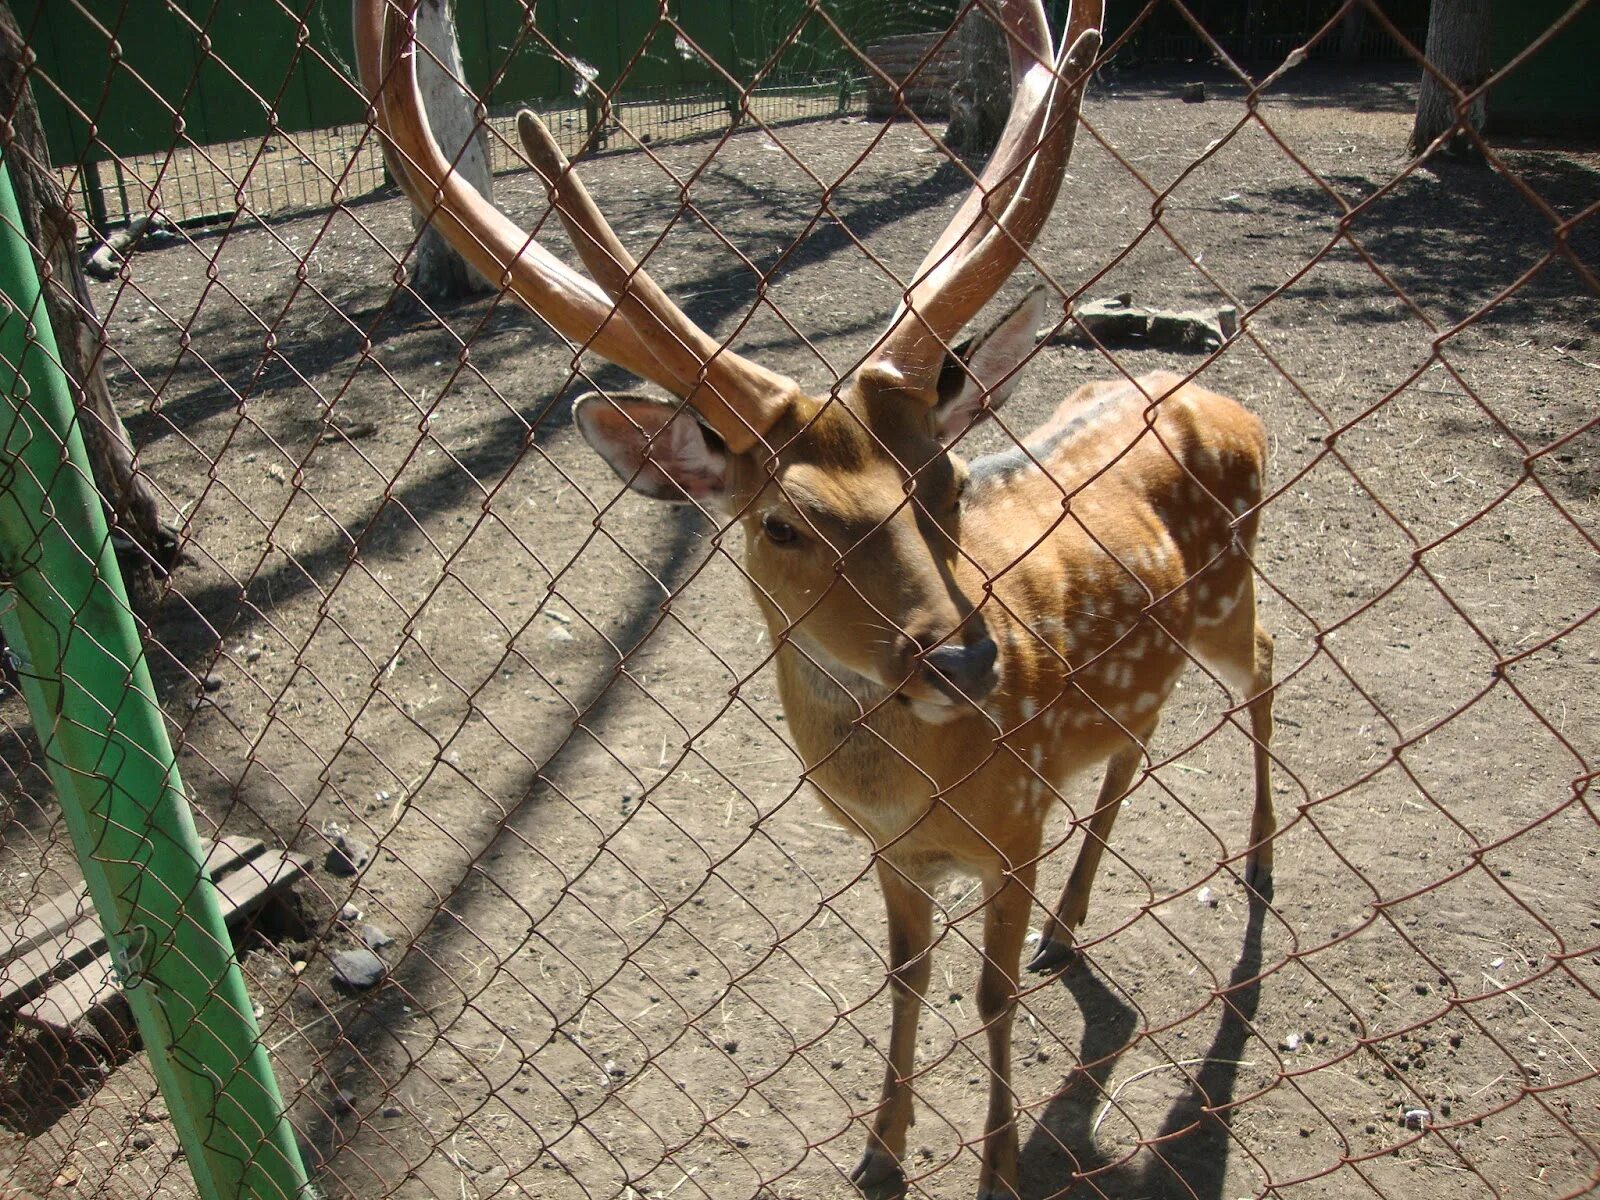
980,101
133,505
438,272
1458,48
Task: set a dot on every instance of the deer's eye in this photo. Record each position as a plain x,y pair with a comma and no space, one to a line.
778,531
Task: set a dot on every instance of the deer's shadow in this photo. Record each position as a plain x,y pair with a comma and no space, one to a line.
1188,1156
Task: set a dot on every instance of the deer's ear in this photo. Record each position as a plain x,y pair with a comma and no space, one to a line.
979,374
656,447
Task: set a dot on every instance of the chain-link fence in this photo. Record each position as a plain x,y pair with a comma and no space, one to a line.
554,909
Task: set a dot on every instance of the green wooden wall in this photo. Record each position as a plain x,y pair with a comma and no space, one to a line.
1553,92
132,77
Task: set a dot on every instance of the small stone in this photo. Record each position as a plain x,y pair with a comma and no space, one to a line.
558,633
141,1140
212,682
393,1110
1422,989
731,1046
358,970
350,914
253,654
836,1065
1194,93
1206,897
374,938
615,1069
1290,1042
1417,1118
346,855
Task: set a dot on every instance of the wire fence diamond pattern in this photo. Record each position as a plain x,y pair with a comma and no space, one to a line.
576,924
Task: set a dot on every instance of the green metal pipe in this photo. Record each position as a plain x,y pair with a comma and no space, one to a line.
68,626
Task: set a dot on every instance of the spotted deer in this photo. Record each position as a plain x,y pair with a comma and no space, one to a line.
954,640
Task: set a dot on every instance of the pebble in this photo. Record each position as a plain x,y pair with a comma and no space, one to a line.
374,938
1206,897
141,1140
393,1110
1417,1118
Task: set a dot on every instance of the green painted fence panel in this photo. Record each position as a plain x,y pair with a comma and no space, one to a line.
132,77
1553,92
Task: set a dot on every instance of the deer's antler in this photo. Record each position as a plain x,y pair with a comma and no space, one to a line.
1012,199
625,317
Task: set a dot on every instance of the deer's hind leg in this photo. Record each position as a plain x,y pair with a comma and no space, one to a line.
1239,650
1055,939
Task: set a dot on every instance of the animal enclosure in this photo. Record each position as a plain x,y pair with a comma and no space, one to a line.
525,726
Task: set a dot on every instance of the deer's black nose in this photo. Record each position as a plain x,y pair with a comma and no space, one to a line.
968,669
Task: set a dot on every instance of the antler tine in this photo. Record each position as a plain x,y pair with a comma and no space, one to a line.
739,405
732,383
1012,199
494,245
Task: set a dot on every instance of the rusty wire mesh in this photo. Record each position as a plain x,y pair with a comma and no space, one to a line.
629,955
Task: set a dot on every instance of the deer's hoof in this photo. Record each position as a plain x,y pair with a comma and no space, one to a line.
1052,956
878,1176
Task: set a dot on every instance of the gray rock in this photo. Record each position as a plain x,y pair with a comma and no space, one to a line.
357,970
346,855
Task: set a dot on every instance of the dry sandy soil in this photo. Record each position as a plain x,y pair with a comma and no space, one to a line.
632,958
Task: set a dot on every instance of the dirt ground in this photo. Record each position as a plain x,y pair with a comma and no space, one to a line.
632,958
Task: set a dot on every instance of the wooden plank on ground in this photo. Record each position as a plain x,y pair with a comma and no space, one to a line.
64,932
85,995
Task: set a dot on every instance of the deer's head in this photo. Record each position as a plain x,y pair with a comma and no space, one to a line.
851,502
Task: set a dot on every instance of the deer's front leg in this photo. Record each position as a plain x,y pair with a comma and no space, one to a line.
878,1174
1005,923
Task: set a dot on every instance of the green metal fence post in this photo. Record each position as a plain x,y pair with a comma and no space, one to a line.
71,633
